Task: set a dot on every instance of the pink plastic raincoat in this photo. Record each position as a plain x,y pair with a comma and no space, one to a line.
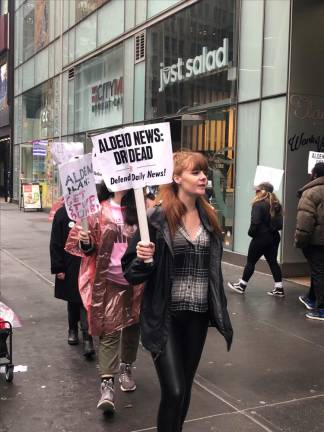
110,306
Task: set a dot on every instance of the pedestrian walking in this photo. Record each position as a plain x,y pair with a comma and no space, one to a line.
309,236
266,222
113,304
66,269
184,286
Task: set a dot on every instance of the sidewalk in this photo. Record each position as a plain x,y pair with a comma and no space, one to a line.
272,380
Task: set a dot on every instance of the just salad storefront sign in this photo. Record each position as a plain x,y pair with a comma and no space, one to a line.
206,62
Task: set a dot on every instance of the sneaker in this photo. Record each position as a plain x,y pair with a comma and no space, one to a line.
107,401
317,314
126,380
276,292
310,304
237,287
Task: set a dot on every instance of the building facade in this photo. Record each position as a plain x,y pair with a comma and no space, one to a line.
236,79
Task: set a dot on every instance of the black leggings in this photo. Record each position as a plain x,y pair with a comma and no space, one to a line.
266,245
177,365
76,313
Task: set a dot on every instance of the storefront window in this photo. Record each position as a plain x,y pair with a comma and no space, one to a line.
99,91
212,134
3,87
38,112
191,60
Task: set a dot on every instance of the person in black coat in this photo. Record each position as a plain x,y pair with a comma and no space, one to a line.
66,269
266,222
183,285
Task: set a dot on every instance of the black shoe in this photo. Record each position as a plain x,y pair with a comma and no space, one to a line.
88,348
73,338
237,287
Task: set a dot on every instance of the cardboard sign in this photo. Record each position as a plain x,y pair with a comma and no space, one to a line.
135,157
63,151
268,174
31,196
313,158
78,186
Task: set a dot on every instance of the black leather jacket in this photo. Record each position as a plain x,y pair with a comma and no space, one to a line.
155,310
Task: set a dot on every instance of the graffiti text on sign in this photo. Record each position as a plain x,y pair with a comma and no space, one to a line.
298,141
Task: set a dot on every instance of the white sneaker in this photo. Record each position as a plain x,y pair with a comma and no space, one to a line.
237,287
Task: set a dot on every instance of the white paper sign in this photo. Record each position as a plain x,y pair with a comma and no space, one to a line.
96,169
63,151
313,158
268,174
79,189
135,157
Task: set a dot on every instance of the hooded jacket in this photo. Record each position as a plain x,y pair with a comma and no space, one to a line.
155,308
310,214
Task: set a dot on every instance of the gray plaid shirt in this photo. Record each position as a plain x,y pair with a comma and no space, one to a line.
191,262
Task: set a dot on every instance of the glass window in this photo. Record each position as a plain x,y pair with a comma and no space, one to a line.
66,13
129,14
129,80
99,91
251,49
41,66
58,5
272,132
276,41
71,45
35,27
140,11
57,106
86,34
58,56
71,107
246,162
65,51
139,92
28,74
51,57
18,36
37,117
65,101
213,134
190,57
84,7
72,12
115,9
156,6
51,26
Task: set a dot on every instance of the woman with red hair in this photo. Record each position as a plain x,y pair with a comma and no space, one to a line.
184,284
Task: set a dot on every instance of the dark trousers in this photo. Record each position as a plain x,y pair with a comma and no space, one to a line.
76,313
176,367
266,245
315,257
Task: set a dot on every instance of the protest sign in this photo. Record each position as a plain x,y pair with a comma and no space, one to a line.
96,168
135,156
313,158
268,174
63,151
78,186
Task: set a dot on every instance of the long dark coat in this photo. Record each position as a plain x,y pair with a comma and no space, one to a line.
63,262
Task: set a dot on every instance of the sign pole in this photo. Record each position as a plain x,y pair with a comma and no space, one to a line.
142,218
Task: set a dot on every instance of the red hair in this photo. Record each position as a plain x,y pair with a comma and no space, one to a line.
168,194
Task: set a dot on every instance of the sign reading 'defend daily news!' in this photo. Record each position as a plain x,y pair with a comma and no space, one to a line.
79,189
135,156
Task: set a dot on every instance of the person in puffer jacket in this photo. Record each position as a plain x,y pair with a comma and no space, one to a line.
309,236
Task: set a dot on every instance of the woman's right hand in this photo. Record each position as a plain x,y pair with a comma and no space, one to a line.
84,237
145,250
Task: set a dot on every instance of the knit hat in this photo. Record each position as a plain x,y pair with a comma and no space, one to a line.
265,186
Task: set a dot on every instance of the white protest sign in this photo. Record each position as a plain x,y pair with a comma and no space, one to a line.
96,168
63,151
268,174
135,157
78,186
313,158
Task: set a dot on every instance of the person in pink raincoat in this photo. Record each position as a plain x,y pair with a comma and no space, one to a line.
113,305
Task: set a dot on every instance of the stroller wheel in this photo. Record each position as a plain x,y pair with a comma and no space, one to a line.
9,373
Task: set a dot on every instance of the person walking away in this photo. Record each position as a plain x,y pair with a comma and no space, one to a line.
309,236
184,285
113,304
66,269
266,222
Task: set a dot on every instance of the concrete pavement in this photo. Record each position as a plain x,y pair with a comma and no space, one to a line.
272,380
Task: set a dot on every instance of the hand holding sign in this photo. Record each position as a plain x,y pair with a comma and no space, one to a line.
268,174
62,152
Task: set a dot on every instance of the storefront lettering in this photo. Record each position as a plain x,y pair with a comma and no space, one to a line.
108,95
208,61
303,108
297,141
